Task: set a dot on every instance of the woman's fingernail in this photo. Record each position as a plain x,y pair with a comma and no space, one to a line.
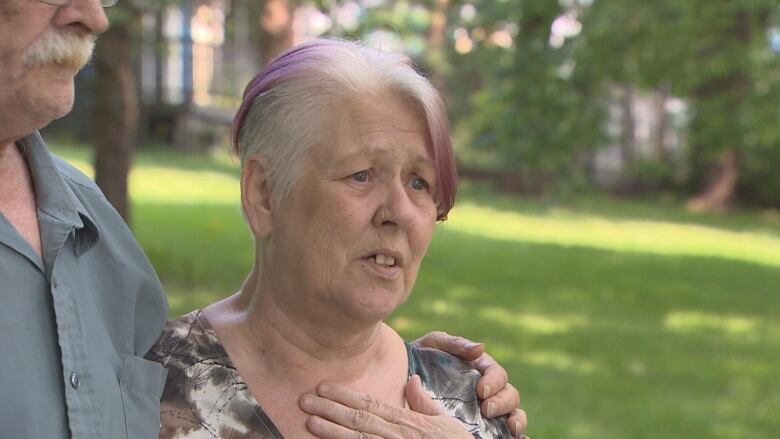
307,401
490,409
487,393
470,344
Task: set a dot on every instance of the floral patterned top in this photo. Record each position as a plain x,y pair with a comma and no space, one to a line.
204,396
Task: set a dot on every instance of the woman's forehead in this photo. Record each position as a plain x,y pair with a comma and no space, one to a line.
371,127
377,144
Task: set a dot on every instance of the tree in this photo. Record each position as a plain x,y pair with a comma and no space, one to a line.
534,116
275,30
714,54
116,105
722,96
117,102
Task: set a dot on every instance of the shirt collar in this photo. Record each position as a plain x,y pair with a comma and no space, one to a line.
54,196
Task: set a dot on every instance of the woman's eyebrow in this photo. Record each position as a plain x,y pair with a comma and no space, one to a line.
366,152
423,160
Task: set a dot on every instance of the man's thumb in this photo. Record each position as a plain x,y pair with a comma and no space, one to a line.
418,400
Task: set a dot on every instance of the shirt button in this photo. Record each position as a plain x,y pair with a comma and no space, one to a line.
74,380
54,282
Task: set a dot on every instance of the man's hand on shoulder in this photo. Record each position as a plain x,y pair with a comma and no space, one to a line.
498,396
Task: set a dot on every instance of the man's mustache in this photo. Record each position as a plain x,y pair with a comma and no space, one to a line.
64,48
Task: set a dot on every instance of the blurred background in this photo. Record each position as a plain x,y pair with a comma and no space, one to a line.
616,240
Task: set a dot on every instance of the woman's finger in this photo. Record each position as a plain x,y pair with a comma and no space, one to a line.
360,401
356,411
359,412
418,400
326,429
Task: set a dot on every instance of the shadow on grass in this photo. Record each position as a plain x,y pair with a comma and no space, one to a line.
602,344
613,344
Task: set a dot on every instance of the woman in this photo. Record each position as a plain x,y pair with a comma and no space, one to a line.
346,167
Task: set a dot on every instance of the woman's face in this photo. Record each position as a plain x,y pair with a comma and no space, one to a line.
349,238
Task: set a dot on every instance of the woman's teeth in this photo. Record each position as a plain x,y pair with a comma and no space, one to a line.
384,260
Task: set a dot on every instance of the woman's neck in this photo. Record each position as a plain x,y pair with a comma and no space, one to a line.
283,353
294,347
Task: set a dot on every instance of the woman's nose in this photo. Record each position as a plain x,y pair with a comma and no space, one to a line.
396,208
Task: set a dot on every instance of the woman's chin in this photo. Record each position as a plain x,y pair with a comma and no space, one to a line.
375,311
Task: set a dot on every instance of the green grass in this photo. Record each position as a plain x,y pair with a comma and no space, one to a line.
616,319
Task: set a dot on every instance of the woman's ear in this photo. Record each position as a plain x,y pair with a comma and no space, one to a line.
256,196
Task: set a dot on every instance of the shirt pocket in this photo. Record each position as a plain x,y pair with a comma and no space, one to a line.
141,384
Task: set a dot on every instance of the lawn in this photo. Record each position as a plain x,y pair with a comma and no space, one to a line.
616,319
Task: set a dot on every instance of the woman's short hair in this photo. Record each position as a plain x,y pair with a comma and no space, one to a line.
286,106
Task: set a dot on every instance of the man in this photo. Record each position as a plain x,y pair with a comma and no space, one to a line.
81,305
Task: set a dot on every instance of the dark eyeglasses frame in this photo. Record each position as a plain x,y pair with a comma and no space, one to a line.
104,3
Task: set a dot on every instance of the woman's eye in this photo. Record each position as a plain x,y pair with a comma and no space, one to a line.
419,184
360,177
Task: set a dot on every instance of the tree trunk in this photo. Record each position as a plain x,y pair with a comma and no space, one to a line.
276,28
662,123
720,190
628,127
436,45
727,95
116,111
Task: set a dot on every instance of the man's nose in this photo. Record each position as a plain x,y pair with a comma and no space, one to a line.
88,15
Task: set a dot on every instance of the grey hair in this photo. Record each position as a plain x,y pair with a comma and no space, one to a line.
286,107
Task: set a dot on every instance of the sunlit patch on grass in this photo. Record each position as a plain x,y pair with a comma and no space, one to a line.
737,327
558,360
443,307
410,328
183,186
457,293
581,430
536,323
400,323
175,185
182,300
82,166
572,229
637,368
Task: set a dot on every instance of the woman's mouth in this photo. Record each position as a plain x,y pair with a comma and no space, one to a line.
381,259
385,265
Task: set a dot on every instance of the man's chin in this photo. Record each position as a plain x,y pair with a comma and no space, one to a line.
73,63
69,67
55,101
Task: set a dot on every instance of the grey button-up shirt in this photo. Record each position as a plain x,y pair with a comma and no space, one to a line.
74,327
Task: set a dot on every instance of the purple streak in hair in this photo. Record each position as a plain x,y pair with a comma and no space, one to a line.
300,59
286,65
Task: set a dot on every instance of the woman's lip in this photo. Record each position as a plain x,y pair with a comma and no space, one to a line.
382,271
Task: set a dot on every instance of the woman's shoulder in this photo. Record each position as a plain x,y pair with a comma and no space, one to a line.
185,341
203,397
446,377
452,383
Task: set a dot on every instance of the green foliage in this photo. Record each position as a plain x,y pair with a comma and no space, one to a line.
615,319
716,55
536,113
